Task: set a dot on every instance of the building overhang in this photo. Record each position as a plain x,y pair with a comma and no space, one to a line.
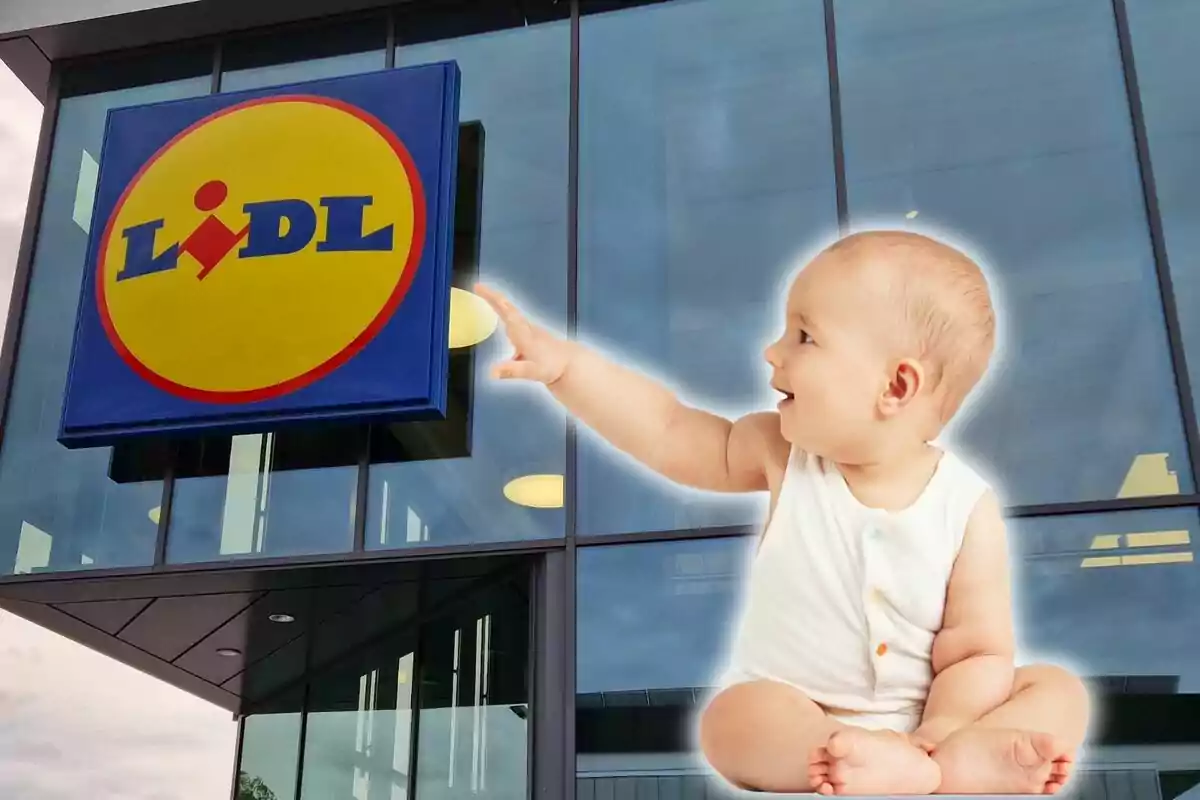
35,33
210,632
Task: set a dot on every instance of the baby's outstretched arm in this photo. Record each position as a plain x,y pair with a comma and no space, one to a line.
973,652
637,415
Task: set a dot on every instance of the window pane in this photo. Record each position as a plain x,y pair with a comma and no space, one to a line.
706,168
271,751
1007,121
670,606
304,54
1109,593
473,726
357,742
445,484
357,674
89,508
1104,594
291,492
1165,37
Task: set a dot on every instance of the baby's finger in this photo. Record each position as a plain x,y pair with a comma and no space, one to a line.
504,309
516,327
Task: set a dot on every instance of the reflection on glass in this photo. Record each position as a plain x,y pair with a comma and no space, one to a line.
473,730
1164,34
1110,593
270,753
308,54
652,625
292,492
706,169
358,738
444,484
1107,594
1006,122
72,509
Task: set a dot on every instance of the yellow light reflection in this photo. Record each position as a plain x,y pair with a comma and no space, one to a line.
1138,560
1141,539
1106,541
1149,475
536,491
1158,539
471,319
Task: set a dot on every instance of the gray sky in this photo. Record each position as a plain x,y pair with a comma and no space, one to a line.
74,723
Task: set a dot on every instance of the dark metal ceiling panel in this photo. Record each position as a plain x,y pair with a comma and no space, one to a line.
281,668
236,576
28,63
384,609
256,636
172,625
184,616
19,15
65,625
107,615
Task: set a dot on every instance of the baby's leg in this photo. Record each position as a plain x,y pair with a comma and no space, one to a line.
1027,745
768,736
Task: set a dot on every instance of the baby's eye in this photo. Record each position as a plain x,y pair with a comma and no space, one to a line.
805,337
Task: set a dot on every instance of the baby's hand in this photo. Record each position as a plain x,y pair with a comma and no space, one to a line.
539,355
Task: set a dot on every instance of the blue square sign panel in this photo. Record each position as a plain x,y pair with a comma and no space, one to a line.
271,256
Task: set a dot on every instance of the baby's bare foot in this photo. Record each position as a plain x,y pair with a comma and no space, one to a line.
997,761
860,762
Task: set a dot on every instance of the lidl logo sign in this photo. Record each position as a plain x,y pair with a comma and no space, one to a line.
270,256
292,266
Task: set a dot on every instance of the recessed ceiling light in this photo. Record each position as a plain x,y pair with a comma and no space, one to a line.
471,319
155,513
228,652
281,618
913,214
536,491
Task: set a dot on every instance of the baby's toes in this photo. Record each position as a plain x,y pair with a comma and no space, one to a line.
1060,773
818,767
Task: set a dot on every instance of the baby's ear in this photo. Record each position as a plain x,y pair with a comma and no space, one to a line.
907,379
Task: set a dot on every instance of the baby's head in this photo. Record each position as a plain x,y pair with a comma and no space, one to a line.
887,333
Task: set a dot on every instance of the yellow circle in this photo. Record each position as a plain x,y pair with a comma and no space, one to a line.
261,326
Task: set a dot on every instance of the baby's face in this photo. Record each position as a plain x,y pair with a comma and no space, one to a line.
833,360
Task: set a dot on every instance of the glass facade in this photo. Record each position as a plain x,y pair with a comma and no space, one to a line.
437,705
59,509
705,167
654,205
516,91
1041,173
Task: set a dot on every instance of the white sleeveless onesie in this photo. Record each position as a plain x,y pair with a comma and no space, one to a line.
843,600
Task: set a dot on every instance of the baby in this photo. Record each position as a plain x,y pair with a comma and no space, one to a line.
875,651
